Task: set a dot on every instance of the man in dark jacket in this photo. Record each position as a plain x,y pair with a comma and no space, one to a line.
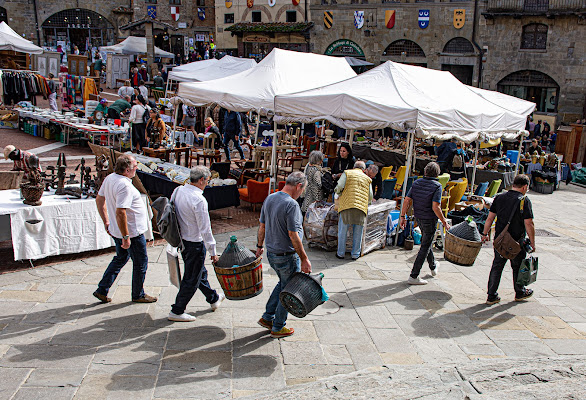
377,180
521,224
232,128
426,197
445,153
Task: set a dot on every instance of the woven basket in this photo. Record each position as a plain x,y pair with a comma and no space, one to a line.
235,255
460,251
242,282
32,193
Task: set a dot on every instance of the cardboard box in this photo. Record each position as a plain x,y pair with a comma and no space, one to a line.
8,124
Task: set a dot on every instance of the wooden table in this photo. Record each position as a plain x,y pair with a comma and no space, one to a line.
181,150
161,153
164,154
216,156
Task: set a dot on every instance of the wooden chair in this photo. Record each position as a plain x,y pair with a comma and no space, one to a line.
457,190
157,94
386,172
222,168
287,165
255,192
400,175
493,188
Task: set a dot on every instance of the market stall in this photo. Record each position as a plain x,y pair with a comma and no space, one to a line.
396,158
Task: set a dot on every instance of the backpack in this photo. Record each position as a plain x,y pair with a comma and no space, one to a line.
191,112
167,221
145,116
327,183
457,160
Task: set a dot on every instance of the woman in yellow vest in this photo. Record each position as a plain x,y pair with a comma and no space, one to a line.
355,194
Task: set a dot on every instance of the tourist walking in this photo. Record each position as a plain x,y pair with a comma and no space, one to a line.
232,128
515,201
281,223
426,196
138,122
188,122
125,218
196,233
52,92
313,172
355,194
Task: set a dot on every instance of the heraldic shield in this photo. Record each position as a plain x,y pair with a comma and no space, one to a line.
228,3
459,18
389,18
328,19
423,19
358,19
152,11
249,3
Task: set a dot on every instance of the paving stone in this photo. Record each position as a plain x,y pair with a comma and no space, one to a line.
254,372
254,341
11,380
524,348
499,323
73,335
302,353
401,358
136,360
567,346
53,313
18,286
550,328
3,349
304,331
73,294
372,275
47,356
236,394
364,355
20,334
482,350
200,338
25,295
376,317
504,334
247,317
420,326
30,393
215,361
333,285
42,377
438,350
338,308
191,384
579,326
313,372
336,354
390,340
116,387
148,337
462,329
334,332
567,314
407,305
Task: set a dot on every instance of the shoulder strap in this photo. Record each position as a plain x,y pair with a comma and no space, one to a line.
521,202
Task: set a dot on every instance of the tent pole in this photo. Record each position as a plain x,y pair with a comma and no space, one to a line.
274,160
410,143
351,139
175,122
474,167
519,155
257,126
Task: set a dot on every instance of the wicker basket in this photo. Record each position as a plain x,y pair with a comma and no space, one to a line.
460,251
242,282
32,193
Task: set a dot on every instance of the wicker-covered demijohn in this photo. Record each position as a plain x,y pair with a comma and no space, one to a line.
463,243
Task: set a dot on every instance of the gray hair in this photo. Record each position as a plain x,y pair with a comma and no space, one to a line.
373,168
123,162
316,157
360,164
198,172
432,170
295,178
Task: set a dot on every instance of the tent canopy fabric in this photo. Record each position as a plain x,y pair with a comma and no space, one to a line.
357,62
427,102
280,72
207,70
134,45
10,40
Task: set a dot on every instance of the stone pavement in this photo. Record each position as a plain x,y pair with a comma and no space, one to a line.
57,342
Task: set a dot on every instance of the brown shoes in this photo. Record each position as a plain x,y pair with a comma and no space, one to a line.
265,324
104,299
145,299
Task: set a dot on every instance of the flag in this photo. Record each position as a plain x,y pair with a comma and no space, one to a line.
389,18
328,19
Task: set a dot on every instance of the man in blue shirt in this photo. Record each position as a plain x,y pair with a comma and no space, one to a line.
444,154
281,223
426,196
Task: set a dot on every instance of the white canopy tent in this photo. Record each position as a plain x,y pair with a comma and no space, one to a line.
10,40
207,70
135,45
280,72
423,102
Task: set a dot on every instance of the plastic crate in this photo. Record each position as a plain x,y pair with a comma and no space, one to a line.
545,188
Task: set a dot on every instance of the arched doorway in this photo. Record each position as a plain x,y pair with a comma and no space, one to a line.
82,28
533,86
405,51
458,58
343,48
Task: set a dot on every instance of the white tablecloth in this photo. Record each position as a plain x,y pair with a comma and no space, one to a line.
59,226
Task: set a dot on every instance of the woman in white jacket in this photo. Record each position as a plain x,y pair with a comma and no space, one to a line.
137,121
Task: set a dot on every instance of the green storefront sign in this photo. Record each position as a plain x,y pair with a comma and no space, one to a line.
346,47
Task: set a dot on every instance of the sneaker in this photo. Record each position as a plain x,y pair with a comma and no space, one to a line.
355,258
145,299
416,281
265,324
180,318
525,295
340,257
435,269
216,305
284,332
103,298
493,300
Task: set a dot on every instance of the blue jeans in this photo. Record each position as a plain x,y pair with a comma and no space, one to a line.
356,238
194,277
285,267
428,228
227,138
138,252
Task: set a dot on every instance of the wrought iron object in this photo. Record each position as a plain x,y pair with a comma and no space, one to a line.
61,168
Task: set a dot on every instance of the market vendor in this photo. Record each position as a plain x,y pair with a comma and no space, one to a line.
534,147
119,107
155,127
344,161
22,159
102,108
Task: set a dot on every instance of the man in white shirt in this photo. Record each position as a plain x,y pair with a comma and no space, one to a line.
196,233
125,218
125,90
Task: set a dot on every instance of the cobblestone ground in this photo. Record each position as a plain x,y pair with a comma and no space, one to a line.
57,342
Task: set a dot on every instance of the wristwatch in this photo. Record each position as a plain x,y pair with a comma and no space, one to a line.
258,247
126,237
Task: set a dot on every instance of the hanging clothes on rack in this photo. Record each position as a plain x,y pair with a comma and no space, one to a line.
22,85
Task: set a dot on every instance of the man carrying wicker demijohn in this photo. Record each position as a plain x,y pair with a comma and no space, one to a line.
281,223
426,196
512,208
196,233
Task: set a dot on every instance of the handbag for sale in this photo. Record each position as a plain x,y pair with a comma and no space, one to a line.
528,271
504,243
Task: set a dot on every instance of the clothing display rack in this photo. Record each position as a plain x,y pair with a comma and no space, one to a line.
20,85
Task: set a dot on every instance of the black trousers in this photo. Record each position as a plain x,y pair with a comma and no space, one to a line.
194,277
498,264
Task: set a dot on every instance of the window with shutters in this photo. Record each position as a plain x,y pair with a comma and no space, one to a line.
534,37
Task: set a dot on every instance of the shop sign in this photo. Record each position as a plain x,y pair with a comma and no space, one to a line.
200,37
344,46
256,39
182,25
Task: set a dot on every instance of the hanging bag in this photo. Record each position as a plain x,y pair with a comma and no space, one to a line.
504,243
528,270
